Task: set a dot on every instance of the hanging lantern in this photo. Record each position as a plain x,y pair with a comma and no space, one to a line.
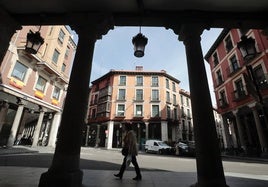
139,41
247,47
34,42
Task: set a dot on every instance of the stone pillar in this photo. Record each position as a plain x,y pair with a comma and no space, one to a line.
164,131
38,127
8,27
261,135
110,135
208,158
240,132
97,136
15,124
87,134
146,130
249,137
226,134
233,135
3,112
65,169
54,129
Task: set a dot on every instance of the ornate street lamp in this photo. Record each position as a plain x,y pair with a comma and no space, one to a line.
34,42
247,47
139,41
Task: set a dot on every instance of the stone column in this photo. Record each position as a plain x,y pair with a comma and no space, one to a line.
249,137
240,132
54,129
260,131
146,130
226,134
38,127
97,136
208,158
65,169
87,134
110,135
3,112
8,27
164,131
15,124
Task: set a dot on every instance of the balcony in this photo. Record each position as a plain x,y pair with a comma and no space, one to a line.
223,103
155,99
239,94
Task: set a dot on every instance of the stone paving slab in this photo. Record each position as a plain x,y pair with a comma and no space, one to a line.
29,177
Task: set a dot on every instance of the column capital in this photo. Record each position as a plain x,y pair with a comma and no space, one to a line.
188,31
99,24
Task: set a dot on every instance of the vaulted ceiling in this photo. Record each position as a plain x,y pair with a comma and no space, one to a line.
213,13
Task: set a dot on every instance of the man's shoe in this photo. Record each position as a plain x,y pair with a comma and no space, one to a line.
118,175
138,178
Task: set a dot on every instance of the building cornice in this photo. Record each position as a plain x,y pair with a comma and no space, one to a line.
126,72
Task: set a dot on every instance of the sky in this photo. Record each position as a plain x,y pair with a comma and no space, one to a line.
163,52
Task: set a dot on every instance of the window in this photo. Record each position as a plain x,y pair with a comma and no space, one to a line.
138,110
175,113
67,52
61,36
121,110
155,95
139,94
234,63
55,57
259,76
155,111
63,67
168,112
219,77
222,99
167,83
168,96
215,59
122,94
122,80
154,80
228,44
174,86
41,84
188,113
56,93
187,102
239,92
174,99
19,71
182,102
139,80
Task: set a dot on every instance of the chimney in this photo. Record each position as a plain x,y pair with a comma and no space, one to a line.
139,68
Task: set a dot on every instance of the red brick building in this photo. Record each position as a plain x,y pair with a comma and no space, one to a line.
241,90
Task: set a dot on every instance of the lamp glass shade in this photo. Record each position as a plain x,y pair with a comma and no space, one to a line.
139,41
247,47
34,42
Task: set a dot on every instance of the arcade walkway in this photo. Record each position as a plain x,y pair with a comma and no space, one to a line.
28,176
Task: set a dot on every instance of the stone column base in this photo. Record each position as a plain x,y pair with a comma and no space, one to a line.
61,179
214,183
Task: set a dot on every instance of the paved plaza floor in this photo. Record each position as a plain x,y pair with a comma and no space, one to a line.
17,176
